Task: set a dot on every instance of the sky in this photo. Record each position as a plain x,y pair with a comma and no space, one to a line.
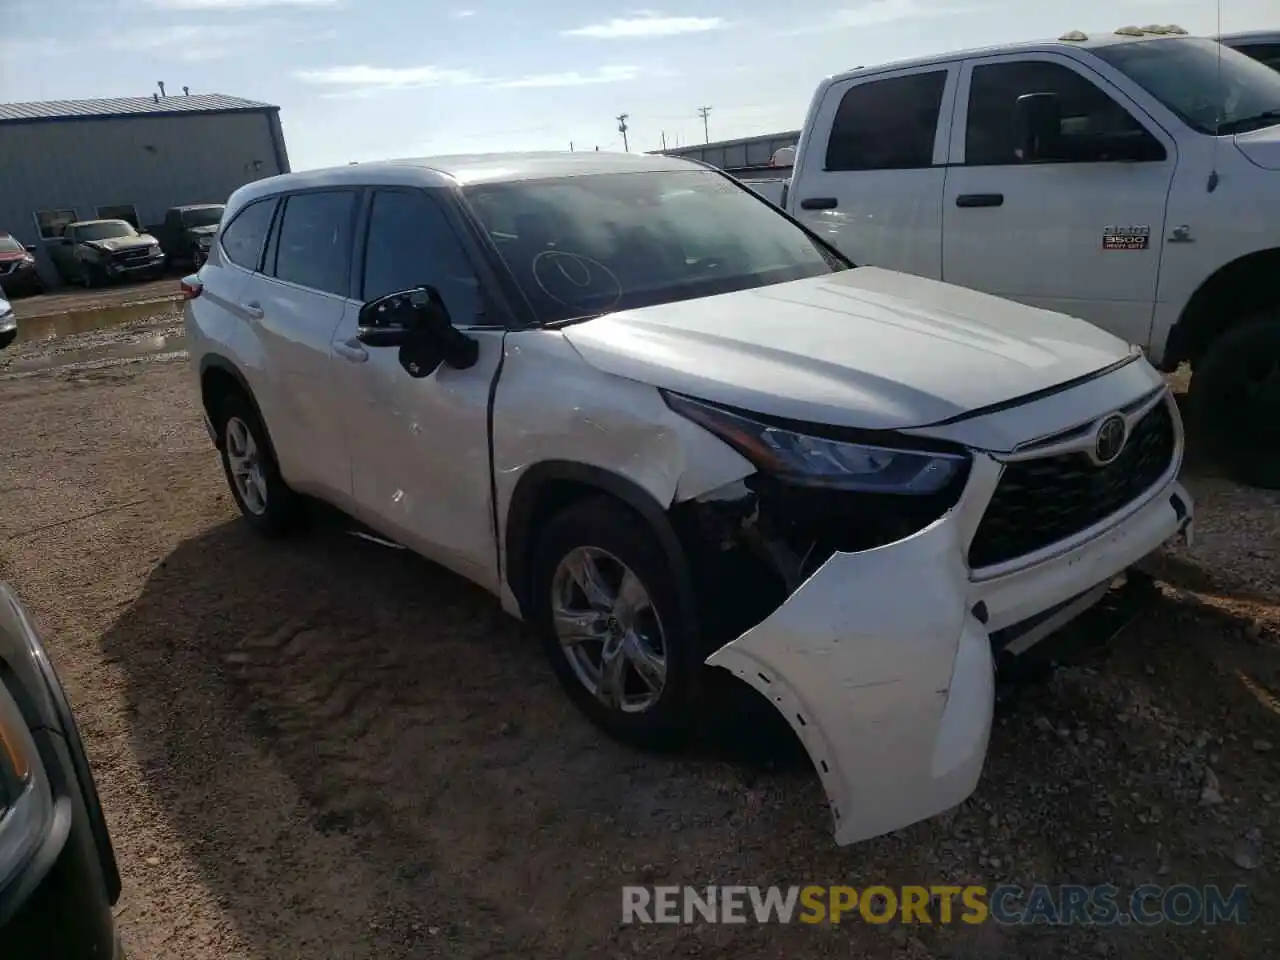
374,79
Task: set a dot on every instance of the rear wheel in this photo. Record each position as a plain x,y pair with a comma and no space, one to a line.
607,606
1235,401
253,474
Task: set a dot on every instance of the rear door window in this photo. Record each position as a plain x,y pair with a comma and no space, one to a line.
313,244
887,124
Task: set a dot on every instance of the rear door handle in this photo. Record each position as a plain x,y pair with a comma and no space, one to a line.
980,200
350,350
819,203
253,310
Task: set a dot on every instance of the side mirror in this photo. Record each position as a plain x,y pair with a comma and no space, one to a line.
30,247
1037,126
417,321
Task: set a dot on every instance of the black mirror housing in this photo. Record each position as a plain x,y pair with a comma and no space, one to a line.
418,322
30,247
1037,126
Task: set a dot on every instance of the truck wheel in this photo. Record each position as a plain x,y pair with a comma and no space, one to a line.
1235,402
607,606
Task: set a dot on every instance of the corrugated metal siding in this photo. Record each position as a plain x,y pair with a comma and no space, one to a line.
738,154
152,162
121,106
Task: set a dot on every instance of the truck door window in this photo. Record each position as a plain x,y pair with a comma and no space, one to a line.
1090,117
1266,53
887,124
411,244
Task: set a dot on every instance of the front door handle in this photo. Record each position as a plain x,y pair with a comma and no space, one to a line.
980,200
819,203
350,350
253,310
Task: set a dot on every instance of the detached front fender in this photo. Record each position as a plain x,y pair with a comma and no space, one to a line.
886,677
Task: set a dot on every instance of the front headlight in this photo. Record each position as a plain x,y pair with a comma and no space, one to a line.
7,320
820,462
154,250
26,805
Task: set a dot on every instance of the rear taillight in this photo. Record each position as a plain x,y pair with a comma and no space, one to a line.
191,287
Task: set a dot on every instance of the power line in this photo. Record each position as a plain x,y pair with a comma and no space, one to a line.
705,112
622,129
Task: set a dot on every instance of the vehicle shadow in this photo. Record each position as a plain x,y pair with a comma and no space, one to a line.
378,730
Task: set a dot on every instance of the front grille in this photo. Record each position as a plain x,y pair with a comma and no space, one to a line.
128,256
1039,502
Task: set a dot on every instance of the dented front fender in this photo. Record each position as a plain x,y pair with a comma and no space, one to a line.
885,676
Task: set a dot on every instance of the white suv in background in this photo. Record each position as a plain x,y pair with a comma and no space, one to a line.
671,427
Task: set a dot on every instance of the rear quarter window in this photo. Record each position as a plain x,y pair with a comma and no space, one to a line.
246,235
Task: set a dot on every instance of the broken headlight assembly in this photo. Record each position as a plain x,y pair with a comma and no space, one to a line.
818,490
26,807
806,459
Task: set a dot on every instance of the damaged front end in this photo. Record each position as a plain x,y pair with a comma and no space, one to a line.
848,612
835,581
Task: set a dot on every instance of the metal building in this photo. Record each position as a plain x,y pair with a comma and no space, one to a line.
129,158
747,158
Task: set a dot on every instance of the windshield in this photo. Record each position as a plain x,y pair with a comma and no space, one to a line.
106,230
1183,74
204,217
10,245
587,245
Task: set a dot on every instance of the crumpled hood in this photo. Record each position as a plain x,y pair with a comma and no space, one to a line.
1261,147
116,244
868,348
7,255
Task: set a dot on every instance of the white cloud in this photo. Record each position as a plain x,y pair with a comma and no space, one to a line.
463,14
879,12
646,23
572,78
186,43
189,5
366,81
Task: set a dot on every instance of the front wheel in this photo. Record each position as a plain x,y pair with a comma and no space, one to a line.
1235,402
253,474
608,608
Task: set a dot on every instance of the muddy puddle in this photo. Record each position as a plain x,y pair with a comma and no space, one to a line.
95,336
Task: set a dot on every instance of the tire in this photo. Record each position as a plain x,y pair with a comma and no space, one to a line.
266,503
618,540
1236,415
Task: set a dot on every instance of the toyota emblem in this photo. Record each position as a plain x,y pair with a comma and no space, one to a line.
1110,438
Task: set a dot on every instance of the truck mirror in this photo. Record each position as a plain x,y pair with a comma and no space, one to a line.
1037,126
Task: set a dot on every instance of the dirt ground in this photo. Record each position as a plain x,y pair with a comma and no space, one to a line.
68,299
323,748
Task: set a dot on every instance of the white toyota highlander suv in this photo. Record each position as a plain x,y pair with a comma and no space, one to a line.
670,427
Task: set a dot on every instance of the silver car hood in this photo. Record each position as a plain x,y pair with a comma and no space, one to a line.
868,348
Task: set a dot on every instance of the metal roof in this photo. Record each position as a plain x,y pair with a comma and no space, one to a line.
118,107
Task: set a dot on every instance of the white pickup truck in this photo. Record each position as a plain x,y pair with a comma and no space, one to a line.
1131,178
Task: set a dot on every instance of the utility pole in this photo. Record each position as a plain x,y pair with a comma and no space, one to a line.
705,112
571,146
622,129
664,141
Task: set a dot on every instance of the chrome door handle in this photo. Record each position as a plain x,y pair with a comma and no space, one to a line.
254,311
350,350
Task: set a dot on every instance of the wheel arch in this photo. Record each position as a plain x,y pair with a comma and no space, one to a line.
546,488
1231,294
220,376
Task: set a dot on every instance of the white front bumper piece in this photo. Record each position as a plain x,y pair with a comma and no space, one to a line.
882,660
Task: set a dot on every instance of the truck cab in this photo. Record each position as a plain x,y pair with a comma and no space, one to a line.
1130,178
1262,45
